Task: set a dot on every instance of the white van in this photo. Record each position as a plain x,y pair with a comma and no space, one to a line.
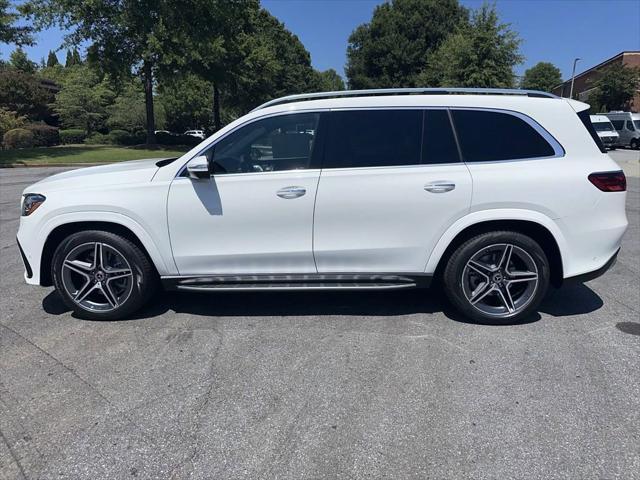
606,131
627,125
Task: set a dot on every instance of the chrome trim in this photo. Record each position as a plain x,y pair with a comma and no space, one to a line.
405,91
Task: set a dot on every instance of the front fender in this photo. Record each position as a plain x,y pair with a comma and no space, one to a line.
33,239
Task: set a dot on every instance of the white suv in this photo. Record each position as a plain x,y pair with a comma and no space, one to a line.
495,193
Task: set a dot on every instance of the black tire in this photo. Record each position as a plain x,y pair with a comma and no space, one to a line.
634,144
459,277
127,292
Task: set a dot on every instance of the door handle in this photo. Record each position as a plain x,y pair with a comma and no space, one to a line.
441,186
291,192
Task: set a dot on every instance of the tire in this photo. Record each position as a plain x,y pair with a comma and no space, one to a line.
634,144
486,289
111,289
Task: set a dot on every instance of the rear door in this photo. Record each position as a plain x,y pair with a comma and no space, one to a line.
391,183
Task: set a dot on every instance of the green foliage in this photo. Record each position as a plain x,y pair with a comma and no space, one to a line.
128,109
18,138
397,44
72,136
542,76
10,120
22,93
44,135
122,137
52,60
9,32
178,139
615,86
19,60
97,139
480,54
83,100
328,81
186,102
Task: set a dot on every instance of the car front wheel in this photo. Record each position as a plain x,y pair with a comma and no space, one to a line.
101,275
497,277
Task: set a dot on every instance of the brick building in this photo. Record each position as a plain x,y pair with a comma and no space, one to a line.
583,84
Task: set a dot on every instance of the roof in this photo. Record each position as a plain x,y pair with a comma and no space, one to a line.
600,65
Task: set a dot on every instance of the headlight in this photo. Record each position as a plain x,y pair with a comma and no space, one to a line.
31,202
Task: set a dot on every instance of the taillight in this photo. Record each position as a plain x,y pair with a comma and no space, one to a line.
609,181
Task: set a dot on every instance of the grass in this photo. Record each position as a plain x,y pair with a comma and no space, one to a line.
84,154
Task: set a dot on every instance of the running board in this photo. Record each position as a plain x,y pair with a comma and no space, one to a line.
364,281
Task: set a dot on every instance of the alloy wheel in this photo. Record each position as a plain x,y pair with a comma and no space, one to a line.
500,280
97,277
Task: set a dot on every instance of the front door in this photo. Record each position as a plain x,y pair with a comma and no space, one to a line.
391,183
255,214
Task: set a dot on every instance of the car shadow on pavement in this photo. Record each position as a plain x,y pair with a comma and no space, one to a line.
569,300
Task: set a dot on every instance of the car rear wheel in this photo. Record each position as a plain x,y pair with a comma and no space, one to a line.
101,275
497,277
634,144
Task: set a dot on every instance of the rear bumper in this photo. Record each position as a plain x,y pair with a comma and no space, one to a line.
585,277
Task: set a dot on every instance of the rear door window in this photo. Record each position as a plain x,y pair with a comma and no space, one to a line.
493,136
373,138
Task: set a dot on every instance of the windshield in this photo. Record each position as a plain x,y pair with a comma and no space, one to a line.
637,124
602,126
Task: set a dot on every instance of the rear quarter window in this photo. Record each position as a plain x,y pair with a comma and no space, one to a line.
492,136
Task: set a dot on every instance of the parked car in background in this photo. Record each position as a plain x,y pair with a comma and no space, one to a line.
605,130
370,190
627,125
196,133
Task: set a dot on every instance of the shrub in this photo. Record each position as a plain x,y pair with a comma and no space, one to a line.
18,138
73,135
122,137
44,135
176,139
10,120
97,139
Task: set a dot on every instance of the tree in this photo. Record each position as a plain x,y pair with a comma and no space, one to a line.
127,112
138,37
392,49
52,60
480,54
83,100
615,87
22,93
9,33
19,60
187,101
542,76
329,81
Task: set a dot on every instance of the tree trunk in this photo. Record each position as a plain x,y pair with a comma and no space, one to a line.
147,75
217,123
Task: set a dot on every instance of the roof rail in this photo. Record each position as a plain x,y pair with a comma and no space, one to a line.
405,91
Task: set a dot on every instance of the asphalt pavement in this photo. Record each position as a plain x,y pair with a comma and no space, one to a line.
319,385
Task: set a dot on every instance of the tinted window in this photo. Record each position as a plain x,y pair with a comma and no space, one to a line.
278,143
602,126
630,125
618,124
438,142
489,136
373,138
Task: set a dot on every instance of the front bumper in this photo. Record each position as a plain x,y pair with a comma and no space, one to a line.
28,272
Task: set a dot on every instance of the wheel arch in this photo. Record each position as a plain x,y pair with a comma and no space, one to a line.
62,231
536,230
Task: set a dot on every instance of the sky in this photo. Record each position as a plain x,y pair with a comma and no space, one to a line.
555,31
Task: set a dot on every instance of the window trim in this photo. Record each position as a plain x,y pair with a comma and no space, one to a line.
558,149
314,164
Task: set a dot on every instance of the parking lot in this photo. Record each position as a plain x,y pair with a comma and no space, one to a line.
320,385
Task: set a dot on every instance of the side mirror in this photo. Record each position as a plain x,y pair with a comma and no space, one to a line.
198,167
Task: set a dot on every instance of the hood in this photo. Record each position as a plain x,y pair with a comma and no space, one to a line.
120,173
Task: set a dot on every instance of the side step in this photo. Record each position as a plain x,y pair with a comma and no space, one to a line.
297,282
